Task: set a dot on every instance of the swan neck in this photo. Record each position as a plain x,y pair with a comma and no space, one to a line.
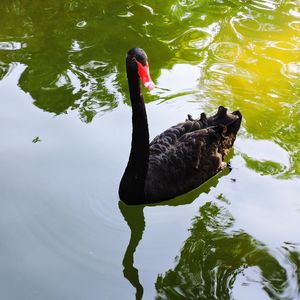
140,131
133,181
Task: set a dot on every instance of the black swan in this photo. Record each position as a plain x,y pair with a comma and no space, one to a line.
179,159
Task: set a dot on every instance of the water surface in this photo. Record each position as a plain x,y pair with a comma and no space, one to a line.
65,137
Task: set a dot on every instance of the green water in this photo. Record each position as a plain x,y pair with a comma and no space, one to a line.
65,129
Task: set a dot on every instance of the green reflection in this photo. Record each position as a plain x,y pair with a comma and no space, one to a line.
294,258
214,256
70,51
264,167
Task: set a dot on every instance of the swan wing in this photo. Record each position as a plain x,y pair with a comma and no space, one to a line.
174,133
178,163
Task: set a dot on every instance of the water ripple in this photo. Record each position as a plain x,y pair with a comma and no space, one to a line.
6,69
192,38
10,46
295,25
78,46
105,212
81,24
282,45
219,9
126,15
226,51
291,70
190,44
265,4
243,24
295,12
186,3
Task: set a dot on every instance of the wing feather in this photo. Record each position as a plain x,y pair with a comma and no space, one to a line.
175,157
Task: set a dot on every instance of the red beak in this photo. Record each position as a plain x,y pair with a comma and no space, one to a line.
145,76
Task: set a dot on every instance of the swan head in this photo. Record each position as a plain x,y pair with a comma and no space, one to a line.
137,61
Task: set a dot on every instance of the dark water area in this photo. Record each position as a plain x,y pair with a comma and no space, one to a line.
65,129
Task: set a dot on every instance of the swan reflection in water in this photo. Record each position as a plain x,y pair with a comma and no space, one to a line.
134,217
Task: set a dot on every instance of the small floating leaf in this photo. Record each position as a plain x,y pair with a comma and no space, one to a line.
36,140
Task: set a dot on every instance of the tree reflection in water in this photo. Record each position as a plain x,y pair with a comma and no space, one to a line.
74,52
215,255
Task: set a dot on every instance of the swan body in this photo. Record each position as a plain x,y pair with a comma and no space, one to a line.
179,159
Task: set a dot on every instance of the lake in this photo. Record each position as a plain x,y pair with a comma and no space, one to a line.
65,134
